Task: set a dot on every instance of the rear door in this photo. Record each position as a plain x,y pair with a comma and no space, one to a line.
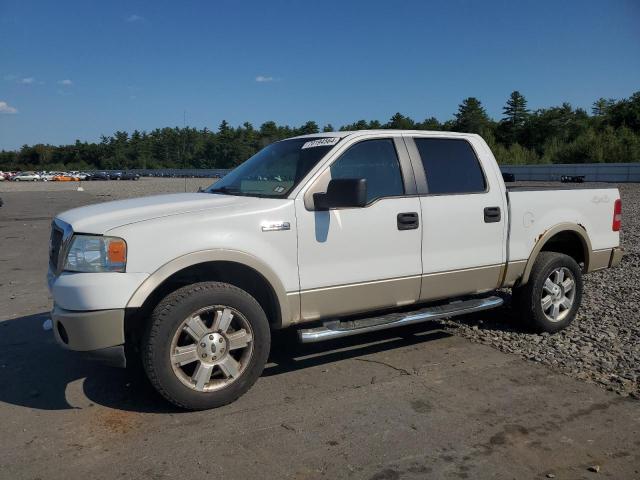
358,259
463,217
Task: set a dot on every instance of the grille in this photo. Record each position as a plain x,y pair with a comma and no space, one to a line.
55,245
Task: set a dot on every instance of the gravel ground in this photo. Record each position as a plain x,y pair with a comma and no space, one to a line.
603,344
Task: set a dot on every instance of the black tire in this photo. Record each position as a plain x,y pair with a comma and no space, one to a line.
527,299
168,317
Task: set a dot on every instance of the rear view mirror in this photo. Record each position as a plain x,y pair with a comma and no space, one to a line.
342,193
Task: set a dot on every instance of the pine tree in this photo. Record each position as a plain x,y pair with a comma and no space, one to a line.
601,106
401,122
515,111
471,117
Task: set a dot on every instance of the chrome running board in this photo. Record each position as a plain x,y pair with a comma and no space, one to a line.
345,328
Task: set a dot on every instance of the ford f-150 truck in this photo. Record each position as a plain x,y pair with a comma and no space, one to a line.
334,234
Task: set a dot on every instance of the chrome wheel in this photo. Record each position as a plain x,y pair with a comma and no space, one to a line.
558,294
211,348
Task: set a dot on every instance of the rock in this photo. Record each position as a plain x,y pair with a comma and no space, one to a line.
594,468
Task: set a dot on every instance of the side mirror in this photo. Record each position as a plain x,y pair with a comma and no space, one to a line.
342,193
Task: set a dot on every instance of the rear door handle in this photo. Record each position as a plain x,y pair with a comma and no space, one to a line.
408,221
492,214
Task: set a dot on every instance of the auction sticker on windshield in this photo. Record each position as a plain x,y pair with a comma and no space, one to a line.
322,142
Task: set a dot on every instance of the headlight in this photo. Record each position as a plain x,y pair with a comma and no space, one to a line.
90,253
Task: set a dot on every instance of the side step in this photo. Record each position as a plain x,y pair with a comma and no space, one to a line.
345,328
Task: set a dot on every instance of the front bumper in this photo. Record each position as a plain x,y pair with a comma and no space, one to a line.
99,333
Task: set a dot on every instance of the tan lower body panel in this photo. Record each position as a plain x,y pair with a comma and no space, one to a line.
599,259
356,298
616,257
514,271
436,286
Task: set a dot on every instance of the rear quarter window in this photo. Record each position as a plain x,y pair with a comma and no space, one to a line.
451,166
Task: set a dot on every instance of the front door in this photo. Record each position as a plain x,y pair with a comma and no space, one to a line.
357,259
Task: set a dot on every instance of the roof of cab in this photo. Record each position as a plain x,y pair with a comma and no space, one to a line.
383,131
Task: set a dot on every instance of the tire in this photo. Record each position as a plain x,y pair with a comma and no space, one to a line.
216,368
562,297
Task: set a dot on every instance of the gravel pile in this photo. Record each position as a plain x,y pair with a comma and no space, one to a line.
603,343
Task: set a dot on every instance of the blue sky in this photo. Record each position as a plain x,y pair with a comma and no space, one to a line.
79,69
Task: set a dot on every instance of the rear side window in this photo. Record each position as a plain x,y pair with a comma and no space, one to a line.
451,166
377,162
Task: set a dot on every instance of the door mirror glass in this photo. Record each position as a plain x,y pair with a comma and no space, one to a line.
342,193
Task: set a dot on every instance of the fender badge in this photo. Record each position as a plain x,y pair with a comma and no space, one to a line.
275,226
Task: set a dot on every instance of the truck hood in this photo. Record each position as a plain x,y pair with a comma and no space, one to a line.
102,217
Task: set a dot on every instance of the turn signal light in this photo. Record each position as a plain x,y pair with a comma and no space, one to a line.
117,251
617,215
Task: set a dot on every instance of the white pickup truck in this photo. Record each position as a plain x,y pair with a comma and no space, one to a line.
335,234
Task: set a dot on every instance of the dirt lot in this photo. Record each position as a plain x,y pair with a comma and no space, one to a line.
420,402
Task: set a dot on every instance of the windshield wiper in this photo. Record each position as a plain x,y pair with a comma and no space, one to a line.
225,190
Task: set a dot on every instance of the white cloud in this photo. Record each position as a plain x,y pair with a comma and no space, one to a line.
263,79
134,18
6,108
65,82
28,81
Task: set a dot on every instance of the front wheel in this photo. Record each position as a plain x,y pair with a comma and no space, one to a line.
550,300
206,345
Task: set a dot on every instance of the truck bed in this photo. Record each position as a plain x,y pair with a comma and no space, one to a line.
536,209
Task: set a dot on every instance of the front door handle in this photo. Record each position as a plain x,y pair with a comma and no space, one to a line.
408,221
492,214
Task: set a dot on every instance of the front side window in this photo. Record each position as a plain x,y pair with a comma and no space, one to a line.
276,169
377,162
451,166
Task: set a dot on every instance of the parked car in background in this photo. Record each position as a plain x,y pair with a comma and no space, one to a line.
64,177
1,176
78,175
26,177
129,176
98,176
48,176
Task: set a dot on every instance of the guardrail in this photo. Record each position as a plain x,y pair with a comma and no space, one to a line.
592,172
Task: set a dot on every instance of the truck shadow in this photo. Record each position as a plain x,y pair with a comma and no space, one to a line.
36,373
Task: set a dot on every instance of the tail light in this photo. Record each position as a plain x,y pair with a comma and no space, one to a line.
617,215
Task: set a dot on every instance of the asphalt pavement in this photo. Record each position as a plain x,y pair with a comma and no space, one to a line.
407,403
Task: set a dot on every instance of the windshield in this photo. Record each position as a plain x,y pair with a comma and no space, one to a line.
275,170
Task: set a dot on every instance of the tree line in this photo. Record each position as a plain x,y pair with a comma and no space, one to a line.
562,134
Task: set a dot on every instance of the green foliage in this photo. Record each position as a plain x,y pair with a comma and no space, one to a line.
471,117
550,135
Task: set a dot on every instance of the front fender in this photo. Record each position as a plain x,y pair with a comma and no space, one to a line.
289,303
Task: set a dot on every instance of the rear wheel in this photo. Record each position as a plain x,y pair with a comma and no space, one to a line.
550,300
206,345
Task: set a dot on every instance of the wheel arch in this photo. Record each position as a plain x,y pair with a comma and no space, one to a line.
239,268
568,238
